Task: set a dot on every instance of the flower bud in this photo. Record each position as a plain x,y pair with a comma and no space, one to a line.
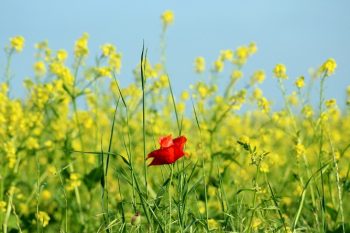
136,219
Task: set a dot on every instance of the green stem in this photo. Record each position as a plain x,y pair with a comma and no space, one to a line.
7,69
320,155
169,193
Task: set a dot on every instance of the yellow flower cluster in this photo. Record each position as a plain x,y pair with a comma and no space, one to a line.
43,218
17,43
81,46
199,64
328,67
280,71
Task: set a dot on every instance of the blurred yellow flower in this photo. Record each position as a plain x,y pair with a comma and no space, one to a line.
115,62
199,64
280,71
39,68
185,95
226,55
252,48
108,50
300,83
17,43
264,167
331,103
218,66
236,74
258,77
43,218
81,46
299,150
328,67
46,195
167,18
61,55
2,206
213,224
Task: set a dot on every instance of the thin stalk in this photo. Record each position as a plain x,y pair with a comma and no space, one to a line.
169,194
7,69
338,185
320,155
255,183
143,80
203,168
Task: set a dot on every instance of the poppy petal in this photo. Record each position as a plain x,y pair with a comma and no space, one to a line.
166,141
162,156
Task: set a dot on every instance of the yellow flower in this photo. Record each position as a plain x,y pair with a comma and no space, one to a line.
61,55
213,224
185,95
167,18
46,195
199,64
264,104
24,209
264,167
39,68
43,218
293,99
115,62
256,223
236,74
2,206
74,181
308,111
257,93
299,149
32,143
242,53
108,50
226,55
258,77
328,67
201,207
17,43
10,150
252,48
331,103
218,66
103,72
300,83
280,71
81,46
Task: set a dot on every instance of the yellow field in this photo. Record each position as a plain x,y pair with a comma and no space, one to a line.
73,150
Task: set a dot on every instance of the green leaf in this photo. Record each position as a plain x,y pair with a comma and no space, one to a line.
93,177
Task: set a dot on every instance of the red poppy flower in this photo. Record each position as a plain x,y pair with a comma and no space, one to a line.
170,150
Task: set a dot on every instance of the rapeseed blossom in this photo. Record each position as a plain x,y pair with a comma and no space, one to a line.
17,43
300,82
199,64
43,218
167,18
328,67
81,46
280,71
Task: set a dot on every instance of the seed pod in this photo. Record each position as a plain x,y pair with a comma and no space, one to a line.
136,219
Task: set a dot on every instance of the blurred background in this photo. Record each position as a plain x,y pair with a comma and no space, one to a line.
300,34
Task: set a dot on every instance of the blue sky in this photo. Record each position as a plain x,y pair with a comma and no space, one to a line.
298,33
